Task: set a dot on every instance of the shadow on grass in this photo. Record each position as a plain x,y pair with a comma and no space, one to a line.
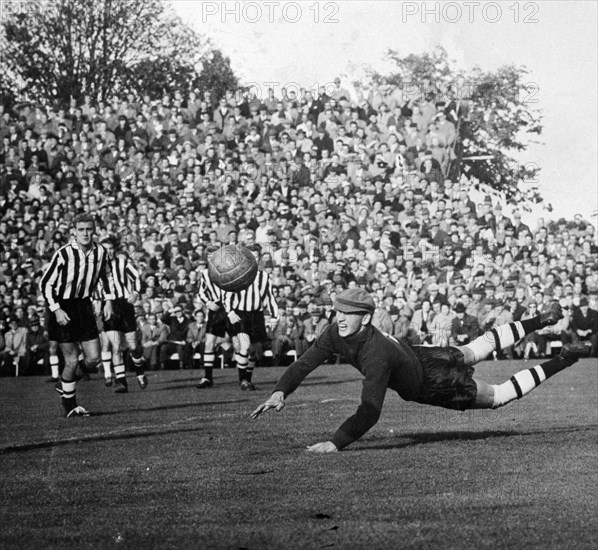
94,438
330,382
171,407
178,384
417,438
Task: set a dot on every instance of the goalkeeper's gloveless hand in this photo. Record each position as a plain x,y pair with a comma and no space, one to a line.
276,401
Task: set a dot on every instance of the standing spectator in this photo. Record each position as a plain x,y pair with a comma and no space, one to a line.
584,324
15,347
176,341
37,347
153,334
284,336
196,336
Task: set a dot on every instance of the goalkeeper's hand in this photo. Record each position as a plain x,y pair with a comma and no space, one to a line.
276,401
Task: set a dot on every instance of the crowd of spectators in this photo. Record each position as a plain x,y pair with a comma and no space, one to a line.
338,189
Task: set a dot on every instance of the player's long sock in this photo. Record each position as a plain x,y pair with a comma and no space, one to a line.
208,364
106,363
54,366
242,364
250,366
526,380
137,358
120,373
502,337
69,399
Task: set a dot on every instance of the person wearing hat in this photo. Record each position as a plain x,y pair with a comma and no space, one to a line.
37,349
584,325
425,374
464,327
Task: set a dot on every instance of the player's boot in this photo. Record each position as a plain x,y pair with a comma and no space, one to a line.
121,386
552,315
246,385
142,380
78,411
204,383
108,381
572,352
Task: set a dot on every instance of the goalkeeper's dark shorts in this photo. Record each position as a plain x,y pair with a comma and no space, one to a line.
448,382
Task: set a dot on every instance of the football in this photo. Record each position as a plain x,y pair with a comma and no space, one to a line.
232,267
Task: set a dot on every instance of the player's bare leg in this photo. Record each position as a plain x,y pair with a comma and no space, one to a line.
505,336
491,396
209,357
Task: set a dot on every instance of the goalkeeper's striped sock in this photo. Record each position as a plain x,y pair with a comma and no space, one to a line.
498,338
527,380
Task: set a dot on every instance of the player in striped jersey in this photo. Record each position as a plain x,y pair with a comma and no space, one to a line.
67,285
127,285
216,326
246,325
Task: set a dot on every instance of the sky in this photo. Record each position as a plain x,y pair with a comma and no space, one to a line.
310,42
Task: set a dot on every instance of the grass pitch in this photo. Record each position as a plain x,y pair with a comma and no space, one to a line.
173,467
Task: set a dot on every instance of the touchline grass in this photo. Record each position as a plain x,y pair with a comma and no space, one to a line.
176,467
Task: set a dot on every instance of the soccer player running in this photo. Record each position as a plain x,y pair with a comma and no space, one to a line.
127,285
216,323
440,376
246,324
67,285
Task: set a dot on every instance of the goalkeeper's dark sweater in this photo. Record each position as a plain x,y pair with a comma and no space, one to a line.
385,363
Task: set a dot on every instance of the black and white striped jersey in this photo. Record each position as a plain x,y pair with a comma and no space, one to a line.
75,274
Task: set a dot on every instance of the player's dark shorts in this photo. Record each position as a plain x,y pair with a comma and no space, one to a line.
216,323
448,382
81,328
252,323
123,318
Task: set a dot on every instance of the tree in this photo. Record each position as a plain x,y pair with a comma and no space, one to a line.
496,117
71,48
